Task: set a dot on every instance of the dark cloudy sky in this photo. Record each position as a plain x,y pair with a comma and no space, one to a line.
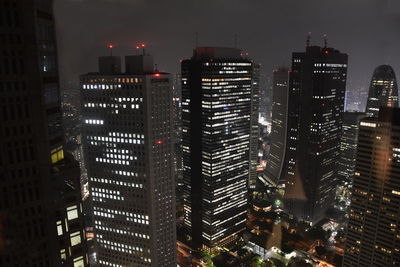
269,30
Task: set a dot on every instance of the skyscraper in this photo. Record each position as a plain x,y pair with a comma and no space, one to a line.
373,237
316,103
41,221
280,95
348,146
128,151
255,110
383,91
216,126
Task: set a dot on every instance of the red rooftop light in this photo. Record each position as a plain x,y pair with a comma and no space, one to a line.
159,142
110,46
157,74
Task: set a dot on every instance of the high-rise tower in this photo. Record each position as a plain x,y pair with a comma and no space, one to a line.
41,222
280,107
348,146
216,125
373,237
255,111
128,150
316,104
383,91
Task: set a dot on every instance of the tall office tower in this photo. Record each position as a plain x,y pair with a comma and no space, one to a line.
373,237
254,134
383,90
280,94
40,213
348,146
128,151
216,126
316,102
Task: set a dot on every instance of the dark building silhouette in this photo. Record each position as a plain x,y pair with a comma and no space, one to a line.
316,103
383,91
373,233
216,125
348,146
128,142
280,96
41,222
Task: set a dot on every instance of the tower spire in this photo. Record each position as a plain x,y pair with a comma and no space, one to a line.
325,40
308,39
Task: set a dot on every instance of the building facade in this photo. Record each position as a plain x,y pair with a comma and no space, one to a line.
316,104
383,91
255,131
41,222
280,96
128,151
373,237
216,126
348,146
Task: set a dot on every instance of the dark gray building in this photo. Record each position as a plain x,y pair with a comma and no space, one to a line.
316,105
41,221
373,237
216,126
383,91
280,97
128,139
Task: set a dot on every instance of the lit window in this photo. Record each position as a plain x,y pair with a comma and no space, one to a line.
57,154
72,212
63,254
78,262
75,238
59,228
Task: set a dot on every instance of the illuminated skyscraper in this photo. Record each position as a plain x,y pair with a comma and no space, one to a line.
373,237
383,91
41,222
255,110
216,125
316,103
348,146
280,107
128,150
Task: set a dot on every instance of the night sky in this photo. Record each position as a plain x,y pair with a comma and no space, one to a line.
269,30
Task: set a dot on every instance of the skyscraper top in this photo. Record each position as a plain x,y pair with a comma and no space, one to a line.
136,64
217,53
384,72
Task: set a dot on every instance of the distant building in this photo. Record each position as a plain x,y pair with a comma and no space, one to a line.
316,104
128,151
383,91
216,126
280,97
373,232
348,146
41,220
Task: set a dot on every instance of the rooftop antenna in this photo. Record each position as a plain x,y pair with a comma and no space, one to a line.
197,39
110,46
155,68
143,49
235,40
308,39
325,41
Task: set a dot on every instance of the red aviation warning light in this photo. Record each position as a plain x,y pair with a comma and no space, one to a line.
157,74
159,142
110,46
